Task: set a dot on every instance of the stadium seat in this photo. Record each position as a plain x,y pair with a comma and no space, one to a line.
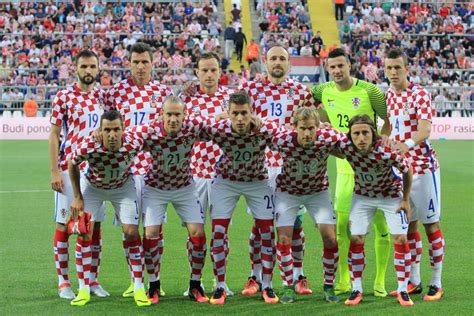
7,114
17,114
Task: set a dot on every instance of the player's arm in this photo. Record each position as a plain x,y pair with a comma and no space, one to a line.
423,133
77,204
379,105
317,93
405,203
57,182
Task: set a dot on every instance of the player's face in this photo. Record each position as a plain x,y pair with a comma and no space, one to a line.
361,135
277,62
396,71
306,131
208,73
87,70
140,64
173,116
339,69
112,134
240,115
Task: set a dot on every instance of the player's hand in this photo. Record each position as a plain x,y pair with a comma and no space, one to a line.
97,136
222,116
405,207
256,122
325,125
77,206
387,142
401,147
57,182
189,88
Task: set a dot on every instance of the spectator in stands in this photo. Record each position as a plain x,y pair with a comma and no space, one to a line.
339,8
236,13
239,40
255,68
229,38
306,50
253,51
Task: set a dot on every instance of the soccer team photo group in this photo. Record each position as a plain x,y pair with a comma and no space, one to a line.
253,177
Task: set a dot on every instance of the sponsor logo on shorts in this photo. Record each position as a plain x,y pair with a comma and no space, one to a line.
430,216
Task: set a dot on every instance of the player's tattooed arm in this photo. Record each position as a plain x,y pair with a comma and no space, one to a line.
189,88
57,182
77,205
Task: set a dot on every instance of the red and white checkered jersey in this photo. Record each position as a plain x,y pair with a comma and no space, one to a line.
243,157
170,167
278,102
304,170
206,154
406,109
78,113
138,105
108,169
377,174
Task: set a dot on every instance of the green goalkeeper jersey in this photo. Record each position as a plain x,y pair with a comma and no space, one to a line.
362,98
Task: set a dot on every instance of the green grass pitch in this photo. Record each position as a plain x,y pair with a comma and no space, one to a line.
29,280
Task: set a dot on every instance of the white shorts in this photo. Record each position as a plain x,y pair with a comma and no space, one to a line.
318,205
203,187
62,201
225,194
426,198
123,199
363,210
184,200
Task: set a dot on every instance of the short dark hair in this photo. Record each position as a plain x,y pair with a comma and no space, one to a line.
111,116
397,53
239,98
140,48
208,55
86,53
338,52
363,119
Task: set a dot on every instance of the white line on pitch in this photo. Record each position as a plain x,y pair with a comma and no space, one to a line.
25,191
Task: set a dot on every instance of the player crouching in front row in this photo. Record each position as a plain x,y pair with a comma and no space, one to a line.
108,179
377,186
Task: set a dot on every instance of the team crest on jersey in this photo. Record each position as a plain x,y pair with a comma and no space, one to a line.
255,141
291,93
356,103
128,158
77,108
406,106
187,141
155,97
196,109
225,104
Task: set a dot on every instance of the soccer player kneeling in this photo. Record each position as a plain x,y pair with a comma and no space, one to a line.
377,185
108,179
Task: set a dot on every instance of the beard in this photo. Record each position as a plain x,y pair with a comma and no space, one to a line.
277,73
87,79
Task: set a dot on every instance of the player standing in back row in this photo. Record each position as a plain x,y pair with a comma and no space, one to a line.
139,100
276,99
410,115
343,98
76,113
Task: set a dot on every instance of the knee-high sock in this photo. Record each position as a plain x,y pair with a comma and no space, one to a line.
297,251
402,263
265,227
254,253
382,247
136,261
356,265
285,263
96,249
83,262
416,247
218,250
330,262
197,256
61,257
436,252
343,241
152,258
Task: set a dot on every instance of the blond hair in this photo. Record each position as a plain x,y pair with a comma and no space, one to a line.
305,113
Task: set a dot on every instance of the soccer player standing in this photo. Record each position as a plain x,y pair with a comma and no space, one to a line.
276,99
169,180
304,181
343,98
139,100
108,178
206,98
377,186
410,115
76,112
241,171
